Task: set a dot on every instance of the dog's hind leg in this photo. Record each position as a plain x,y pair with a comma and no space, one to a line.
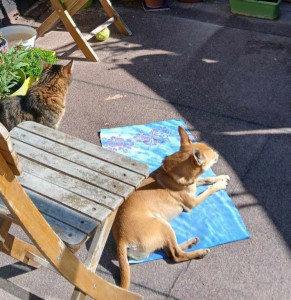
189,244
172,248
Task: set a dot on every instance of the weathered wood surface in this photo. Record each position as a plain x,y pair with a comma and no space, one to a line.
72,169
8,152
50,245
78,157
75,185
85,147
63,198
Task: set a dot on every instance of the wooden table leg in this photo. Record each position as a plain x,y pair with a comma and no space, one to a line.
111,12
74,31
95,251
72,6
4,228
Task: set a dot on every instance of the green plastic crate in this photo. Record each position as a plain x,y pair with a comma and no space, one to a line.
253,8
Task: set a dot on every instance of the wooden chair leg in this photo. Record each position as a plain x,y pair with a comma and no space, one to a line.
111,12
95,251
4,228
74,31
18,250
50,245
72,6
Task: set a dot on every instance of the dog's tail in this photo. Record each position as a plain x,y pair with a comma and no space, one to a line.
123,265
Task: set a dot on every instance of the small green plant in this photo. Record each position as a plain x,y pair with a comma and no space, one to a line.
35,58
11,62
17,58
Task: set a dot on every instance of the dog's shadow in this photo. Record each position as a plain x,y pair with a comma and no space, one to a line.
108,263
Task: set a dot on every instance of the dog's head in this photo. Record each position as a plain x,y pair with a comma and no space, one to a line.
190,162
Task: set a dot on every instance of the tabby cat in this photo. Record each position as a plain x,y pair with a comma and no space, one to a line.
44,102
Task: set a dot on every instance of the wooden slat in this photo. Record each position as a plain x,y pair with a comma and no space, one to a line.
64,197
4,132
7,151
67,233
86,147
78,157
6,145
73,169
74,185
10,157
62,214
50,245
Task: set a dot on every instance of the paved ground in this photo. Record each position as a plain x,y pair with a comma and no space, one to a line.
229,78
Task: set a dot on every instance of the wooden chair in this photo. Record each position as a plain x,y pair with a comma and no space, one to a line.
69,190
65,11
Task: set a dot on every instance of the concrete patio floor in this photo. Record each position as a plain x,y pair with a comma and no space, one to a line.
228,78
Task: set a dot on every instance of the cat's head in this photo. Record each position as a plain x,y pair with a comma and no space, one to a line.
57,74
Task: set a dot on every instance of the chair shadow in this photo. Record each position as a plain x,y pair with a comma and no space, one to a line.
12,270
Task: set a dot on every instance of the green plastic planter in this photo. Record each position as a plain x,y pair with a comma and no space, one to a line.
253,8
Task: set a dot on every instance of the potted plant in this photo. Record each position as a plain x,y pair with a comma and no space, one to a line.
12,76
19,67
34,59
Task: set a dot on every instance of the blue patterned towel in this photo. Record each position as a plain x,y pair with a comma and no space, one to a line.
215,221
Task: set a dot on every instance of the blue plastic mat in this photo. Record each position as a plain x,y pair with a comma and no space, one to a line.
215,221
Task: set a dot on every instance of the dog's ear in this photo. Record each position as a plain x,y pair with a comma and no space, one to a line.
184,137
198,157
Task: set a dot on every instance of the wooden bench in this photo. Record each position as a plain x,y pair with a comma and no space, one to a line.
65,11
68,191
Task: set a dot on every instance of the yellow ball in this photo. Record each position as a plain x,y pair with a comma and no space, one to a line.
103,35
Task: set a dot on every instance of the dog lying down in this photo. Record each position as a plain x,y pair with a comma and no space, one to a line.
141,224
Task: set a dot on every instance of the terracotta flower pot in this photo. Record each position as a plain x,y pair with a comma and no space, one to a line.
154,3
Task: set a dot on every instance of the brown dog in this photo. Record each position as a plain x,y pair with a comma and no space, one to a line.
141,224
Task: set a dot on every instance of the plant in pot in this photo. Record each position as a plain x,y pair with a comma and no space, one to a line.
19,67
12,76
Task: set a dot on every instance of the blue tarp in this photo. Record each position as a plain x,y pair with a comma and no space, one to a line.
215,221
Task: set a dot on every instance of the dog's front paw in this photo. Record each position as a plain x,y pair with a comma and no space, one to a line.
220,185
223,178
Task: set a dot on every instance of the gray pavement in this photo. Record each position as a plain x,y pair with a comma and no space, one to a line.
229,78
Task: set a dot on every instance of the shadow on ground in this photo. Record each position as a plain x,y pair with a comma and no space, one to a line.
231,86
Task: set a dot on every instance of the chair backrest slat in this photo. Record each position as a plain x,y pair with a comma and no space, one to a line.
7,151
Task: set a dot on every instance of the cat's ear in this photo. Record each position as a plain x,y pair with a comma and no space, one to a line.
45,65
69,68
